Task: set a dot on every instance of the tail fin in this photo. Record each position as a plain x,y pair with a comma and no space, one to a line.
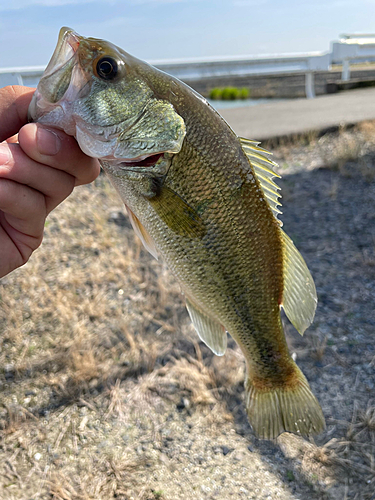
272,411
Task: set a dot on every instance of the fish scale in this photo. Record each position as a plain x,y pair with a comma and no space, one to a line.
204,200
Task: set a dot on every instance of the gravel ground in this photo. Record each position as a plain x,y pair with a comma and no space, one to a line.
106,392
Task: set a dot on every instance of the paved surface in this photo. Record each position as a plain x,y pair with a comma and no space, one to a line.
301,115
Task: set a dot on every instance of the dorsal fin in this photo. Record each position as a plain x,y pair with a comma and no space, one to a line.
299,296
264,172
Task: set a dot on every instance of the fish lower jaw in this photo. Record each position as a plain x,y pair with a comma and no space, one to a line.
42,110
51,114
57,118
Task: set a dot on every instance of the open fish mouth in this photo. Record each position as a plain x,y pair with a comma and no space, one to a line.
67,45
59,86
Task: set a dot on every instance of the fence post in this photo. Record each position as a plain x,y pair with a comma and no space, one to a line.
309,85
345,76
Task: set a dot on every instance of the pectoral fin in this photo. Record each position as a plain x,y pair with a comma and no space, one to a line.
177,214
299,298
211,332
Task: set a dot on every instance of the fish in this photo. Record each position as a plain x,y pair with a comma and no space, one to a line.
203,199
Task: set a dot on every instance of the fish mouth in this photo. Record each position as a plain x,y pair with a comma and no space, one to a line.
66,48
57,78
63,82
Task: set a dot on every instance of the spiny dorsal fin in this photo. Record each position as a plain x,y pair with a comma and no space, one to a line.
211,332
262,167
141,232
299,297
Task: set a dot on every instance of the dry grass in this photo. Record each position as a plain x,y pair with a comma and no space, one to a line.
74,321
349,458
318,347
350,151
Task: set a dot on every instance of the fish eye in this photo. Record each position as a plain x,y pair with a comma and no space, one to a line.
106,68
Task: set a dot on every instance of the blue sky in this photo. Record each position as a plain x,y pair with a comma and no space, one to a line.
175,29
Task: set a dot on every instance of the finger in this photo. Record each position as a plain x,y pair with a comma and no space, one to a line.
15,248
14,103
54,148
55,185
24,208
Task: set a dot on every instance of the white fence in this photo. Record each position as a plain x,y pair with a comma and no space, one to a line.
244,66
353,48
28,76
350,49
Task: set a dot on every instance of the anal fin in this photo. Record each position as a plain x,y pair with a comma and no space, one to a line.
210,331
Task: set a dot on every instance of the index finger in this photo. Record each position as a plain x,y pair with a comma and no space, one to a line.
14,103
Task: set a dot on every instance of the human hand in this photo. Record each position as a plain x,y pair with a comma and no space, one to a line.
39,168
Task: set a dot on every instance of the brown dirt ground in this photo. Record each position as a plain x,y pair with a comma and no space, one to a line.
107,393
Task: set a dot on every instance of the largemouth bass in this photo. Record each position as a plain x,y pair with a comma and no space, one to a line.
203,199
